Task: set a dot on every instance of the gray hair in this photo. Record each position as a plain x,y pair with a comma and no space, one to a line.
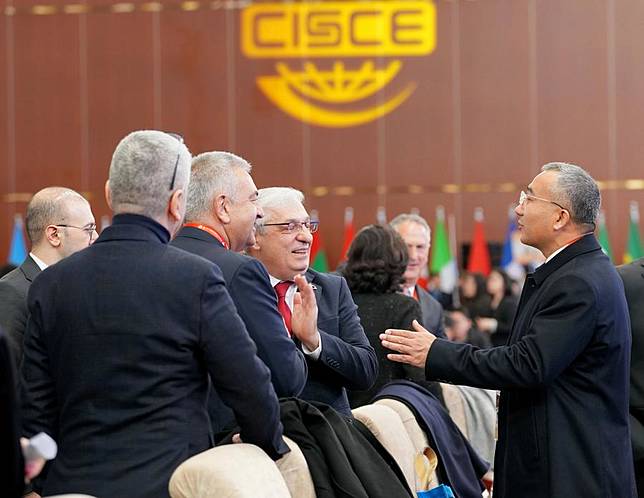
142,169
577,189
213,174
411,218
272,198
48,207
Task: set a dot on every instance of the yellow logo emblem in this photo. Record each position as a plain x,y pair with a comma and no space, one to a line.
324,93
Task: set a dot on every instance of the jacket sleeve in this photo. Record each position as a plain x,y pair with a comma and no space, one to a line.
349,354
558,333
256,304
241,379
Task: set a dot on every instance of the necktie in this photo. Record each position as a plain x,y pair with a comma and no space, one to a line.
285,311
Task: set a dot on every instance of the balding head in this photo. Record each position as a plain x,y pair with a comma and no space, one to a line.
59,223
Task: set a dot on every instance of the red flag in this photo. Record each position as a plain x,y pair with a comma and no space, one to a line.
479,260
349,232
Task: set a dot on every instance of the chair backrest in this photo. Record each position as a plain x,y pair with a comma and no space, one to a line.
385,424
455,407
231,471
295,472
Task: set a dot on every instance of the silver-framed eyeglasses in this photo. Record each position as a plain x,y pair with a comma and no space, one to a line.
90,230
523,196
295,226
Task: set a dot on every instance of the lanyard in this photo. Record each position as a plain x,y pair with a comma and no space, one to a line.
210,230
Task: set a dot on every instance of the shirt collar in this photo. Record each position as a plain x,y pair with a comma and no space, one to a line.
41,264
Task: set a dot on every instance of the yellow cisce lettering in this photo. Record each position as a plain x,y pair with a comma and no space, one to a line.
339,29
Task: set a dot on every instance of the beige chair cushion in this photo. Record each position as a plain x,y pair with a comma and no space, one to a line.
385,424
455,406
296,472
231,471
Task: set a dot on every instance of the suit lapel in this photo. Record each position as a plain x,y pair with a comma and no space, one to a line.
29,268
317,289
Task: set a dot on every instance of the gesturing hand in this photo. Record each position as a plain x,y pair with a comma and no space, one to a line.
411,347
304,318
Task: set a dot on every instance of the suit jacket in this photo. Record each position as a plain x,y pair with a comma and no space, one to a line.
249,286
118,349
347,360
432,313
563,414
13,304
633,278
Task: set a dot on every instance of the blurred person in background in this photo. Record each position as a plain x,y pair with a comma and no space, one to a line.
375,268
472,293
460,328
496,320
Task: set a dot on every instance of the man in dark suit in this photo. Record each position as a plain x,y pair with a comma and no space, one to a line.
337,350
416,233
59,222
123,337
563,413
633,278
220,222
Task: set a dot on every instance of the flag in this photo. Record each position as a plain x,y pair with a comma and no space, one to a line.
442,261
349,232
18,247
479,258
318,254
604,241
634,243
381,216
509,261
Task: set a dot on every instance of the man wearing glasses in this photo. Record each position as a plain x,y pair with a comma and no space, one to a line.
126,338
338,352
220,223
564,374
59,222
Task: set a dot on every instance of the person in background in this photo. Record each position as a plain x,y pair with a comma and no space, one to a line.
59,222
473,295
376,263
460,328
496,320
416,233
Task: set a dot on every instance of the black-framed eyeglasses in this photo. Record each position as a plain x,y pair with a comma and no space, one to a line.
296,226
523,196
90,230
179,139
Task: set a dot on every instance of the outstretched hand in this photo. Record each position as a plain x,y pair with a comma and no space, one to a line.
411,347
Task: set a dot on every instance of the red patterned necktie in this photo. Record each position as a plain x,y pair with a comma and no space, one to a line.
285,311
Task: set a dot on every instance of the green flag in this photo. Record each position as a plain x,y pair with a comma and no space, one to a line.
442,261
604,241
634,243
318,254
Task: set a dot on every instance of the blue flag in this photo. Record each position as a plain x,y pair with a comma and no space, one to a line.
18,248
506,256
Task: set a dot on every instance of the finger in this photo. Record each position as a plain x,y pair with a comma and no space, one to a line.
400,358
418,327
401,348
297,300
400,333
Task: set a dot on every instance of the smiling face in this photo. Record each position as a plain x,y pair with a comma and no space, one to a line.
284,254
417,240
243,211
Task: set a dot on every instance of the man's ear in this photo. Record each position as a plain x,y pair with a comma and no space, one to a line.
52,234
108,195
175,206
562,220
221,208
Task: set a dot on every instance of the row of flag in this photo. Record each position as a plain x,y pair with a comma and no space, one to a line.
515,256
443,256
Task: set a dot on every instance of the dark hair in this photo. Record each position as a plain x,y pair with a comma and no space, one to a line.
479,280
376,261
507,281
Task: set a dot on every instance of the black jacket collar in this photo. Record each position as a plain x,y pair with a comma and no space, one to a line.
588,243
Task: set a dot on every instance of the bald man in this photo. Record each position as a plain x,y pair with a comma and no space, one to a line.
59,223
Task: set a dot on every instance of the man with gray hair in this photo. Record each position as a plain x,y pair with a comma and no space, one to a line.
125,337
220,221
59,223
337,350
564,373
416,233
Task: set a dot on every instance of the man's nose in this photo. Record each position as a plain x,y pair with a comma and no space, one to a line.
260,213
